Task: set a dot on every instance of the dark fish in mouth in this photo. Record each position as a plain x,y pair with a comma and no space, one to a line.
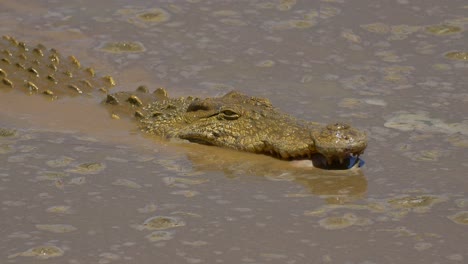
353,161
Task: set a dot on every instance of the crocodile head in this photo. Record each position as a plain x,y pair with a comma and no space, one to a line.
339,141
252,124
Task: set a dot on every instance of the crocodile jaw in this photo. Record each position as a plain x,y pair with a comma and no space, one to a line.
255,144
339,141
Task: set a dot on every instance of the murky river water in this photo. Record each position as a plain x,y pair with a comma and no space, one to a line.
79,187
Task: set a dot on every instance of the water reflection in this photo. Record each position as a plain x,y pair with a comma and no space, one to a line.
335,186
336,189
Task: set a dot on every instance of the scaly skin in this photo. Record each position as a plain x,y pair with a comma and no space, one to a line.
235,120
38,70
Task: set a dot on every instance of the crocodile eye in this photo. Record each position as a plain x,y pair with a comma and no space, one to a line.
229,114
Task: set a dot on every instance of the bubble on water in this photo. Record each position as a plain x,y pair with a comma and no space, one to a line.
423,123
442,67
312,14
443,29
60,162
60,209
154,15
77,181
51,176
400,32
13,203
338,222
388,56
108,257
457,55
460,218
160,223
413,202
426,155
265,64
122,47
301,23
285,5
289,24
148,208
4,149
225,13
233,22
159,236
376,28
57,228
462,203
421,246
375,101
328,12
5,132
455,257
126,183
88,168
318,212
186,193
351,36
41,252
146,17
179,181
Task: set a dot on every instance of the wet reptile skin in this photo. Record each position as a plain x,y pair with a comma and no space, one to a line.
235,120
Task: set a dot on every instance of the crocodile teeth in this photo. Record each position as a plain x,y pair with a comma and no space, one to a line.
341,159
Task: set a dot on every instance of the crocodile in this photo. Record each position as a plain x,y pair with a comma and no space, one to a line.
234,120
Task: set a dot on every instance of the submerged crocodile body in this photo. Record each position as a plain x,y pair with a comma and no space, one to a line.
235,120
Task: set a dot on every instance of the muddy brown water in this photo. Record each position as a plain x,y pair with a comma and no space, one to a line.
79,187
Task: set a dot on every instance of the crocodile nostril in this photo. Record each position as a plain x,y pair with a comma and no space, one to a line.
199,105
337,126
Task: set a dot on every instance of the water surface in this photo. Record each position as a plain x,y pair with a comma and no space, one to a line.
79,187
